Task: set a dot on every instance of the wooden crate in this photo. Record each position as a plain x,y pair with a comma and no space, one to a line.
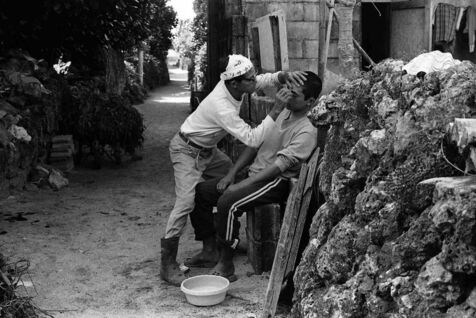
61,152
262,231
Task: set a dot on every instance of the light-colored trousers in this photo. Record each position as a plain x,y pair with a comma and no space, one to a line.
191,166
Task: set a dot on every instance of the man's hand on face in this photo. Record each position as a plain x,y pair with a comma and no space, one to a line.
283,96
294,79
282,99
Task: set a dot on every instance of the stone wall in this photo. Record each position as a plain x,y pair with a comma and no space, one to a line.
387,243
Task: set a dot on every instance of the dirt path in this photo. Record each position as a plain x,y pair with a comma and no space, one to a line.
94,247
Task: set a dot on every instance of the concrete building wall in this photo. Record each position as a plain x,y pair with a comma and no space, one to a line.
407,33
302,21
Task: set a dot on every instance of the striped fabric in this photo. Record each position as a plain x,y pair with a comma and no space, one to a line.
445,18
252,196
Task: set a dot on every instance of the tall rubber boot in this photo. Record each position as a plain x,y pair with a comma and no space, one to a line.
169,268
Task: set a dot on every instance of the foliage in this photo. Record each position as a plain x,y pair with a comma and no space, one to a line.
99,120
11,304
23,97
183,37
200,24
80,28
160,39
199,44
134,91
155,72
200,64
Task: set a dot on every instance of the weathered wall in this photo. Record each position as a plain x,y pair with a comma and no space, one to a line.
302,20
407,32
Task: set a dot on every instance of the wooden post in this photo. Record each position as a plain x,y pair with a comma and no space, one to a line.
325,50
363,53
428,35
217,41
256,49
276,42
322,39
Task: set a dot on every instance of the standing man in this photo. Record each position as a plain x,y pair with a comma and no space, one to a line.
193,150
274,163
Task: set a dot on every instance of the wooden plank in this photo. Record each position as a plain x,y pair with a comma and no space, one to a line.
268,33
322,39
284,244
217,40
256,49
306,201
427,35
276,41
325,50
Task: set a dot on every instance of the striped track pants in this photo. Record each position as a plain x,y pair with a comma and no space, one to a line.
230,206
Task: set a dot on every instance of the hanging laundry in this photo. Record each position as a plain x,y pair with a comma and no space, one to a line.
471,27
445,18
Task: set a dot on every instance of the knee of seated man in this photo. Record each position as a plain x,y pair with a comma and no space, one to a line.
224,203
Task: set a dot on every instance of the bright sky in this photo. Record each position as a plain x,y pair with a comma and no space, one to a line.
184,8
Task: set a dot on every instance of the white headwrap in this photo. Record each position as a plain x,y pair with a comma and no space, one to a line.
237,65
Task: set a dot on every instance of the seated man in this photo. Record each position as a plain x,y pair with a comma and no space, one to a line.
276,161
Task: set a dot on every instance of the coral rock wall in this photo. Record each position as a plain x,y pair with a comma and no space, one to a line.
386,244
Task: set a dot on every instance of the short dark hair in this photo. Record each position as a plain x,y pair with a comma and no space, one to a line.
312,85
443,46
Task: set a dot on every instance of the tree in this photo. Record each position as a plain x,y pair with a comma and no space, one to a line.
183,37
79,29
199,44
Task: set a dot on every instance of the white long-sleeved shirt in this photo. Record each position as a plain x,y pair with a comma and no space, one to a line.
218,114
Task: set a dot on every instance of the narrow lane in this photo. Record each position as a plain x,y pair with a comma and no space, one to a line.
94,246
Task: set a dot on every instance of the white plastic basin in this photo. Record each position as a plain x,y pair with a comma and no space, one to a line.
205,290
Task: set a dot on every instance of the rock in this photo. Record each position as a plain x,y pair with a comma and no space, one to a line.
388,242
405,130
471,300
19,133
461,311
57,180
436,284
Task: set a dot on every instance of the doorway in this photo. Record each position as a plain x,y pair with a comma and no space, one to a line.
376,31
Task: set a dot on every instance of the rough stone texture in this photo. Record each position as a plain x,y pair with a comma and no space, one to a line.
385,243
